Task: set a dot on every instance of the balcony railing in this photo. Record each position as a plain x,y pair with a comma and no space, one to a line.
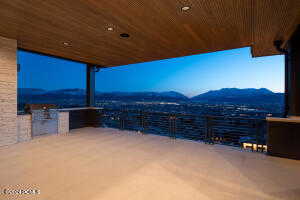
210,129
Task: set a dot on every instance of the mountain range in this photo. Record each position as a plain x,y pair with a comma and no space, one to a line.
235,95
225,95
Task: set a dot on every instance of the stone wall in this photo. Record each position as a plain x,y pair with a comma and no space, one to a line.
15,128
63,122
24,128
8,91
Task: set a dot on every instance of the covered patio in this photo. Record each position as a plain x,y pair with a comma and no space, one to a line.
89,162
103,163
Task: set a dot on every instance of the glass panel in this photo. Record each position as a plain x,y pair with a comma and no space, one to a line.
222,97
227,83
46,79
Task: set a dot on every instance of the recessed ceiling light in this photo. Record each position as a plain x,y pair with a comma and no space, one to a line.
110,28
67,44
185,8
124,35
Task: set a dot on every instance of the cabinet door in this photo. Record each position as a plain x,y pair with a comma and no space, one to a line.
284,139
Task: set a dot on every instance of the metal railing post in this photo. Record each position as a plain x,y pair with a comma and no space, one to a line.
142,121
208,133
172,126
122,120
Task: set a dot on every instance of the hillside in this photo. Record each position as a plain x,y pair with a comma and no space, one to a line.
235,95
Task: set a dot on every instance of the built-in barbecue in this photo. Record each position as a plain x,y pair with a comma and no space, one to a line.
44,118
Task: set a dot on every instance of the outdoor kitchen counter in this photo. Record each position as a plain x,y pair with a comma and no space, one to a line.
83,117
284,137
289,119
25,126
68,118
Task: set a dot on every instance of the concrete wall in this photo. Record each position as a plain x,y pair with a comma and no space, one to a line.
8,91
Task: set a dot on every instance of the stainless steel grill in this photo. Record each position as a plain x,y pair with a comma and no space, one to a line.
44,119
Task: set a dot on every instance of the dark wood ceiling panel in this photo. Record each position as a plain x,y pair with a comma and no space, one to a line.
158,29
273,20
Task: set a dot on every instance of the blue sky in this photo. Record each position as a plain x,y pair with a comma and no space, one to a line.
190,75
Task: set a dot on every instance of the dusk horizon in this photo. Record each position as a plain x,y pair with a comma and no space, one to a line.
97,91
189,75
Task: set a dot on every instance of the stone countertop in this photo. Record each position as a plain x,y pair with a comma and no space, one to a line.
81,108
67,110
291,119
23,114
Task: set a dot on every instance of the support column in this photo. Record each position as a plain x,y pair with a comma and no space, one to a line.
90,85
8,91
293,75
283,133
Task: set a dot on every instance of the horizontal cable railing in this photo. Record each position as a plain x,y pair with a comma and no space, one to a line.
210,129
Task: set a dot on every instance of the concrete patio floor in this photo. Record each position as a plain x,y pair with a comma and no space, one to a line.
101,163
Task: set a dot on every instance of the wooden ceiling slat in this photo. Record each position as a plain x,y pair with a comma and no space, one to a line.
272,21
158,29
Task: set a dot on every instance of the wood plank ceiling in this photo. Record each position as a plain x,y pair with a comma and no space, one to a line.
158,29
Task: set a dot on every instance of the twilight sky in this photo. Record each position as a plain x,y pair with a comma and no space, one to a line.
190,75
